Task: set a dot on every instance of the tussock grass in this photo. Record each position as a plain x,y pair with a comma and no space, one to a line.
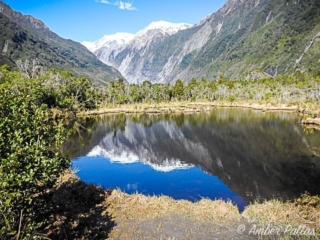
178,107
303,211
161,217
87,212
215,218
141,207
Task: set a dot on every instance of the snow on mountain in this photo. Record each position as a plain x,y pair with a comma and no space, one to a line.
119,39
154,34
121,50
164,27
109,41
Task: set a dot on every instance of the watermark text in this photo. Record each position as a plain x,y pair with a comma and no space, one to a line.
273,230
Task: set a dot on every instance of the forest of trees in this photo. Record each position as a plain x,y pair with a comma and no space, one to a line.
63,90
30,132
283,89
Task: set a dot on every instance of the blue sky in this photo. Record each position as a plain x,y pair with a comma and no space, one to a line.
89,20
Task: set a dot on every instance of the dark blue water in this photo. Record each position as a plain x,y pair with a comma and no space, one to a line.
230,154
191,184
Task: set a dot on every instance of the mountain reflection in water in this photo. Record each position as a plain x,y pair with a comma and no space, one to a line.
243,154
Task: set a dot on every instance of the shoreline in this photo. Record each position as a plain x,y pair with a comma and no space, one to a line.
114,214
193,107
178,107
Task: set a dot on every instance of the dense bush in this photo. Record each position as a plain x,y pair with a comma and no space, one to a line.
28,164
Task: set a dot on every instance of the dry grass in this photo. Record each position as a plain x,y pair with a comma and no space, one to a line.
304,211
173,107
151,217
88,212
141,207
188,107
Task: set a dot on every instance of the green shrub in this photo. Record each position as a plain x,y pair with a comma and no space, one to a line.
28,163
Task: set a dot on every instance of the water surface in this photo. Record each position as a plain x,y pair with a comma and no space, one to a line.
235,154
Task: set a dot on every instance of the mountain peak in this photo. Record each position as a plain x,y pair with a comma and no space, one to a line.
165,27
19,18
115,40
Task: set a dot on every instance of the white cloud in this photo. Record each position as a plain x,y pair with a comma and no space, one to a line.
103,1
120,4
125,5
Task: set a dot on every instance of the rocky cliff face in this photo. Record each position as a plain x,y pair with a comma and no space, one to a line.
25,37
242,37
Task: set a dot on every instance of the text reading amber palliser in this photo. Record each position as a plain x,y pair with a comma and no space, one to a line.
273,230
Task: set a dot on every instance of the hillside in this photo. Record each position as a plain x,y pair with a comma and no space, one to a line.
23,37
275,37
243,37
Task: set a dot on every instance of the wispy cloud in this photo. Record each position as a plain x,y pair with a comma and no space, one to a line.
125,5
120,4
105,2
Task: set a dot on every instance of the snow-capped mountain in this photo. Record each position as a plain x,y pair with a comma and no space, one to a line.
164,27
114,41
123,50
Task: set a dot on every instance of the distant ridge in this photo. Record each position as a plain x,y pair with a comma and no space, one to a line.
25,37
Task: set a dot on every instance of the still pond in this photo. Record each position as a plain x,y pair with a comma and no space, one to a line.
228,153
